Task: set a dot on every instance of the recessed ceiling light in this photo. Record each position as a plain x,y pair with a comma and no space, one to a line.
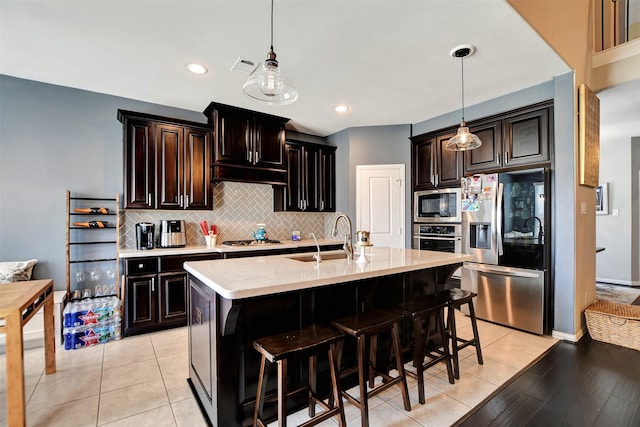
341,108
196,69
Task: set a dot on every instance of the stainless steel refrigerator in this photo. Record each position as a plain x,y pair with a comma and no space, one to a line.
505,224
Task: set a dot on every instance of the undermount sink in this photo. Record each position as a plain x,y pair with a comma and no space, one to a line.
325,257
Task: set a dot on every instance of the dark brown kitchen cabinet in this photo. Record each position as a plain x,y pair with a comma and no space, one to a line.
249,146
422,163
173,298
512,140
166,163
448,163
184,160
327,179
518,138
526,137
139,163
156,292
141,309
310,179
433,164
489,154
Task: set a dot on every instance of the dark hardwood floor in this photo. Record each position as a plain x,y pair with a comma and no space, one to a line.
585,384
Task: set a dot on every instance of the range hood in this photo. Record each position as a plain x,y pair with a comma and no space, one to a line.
249,145
223,172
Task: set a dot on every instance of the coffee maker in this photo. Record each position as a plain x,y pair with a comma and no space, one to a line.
145,233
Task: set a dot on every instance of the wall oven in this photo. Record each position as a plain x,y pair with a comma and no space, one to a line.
439,237
440,205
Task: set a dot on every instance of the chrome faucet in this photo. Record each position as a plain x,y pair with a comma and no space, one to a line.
317,255
347,246
541,232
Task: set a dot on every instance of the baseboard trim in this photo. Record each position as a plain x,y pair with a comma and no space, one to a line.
606,280
574,338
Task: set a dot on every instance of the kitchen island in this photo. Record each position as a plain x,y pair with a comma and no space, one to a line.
234,301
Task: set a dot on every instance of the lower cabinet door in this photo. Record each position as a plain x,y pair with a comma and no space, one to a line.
141,305
173,298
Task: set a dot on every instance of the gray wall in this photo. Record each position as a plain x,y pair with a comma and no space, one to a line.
563,209
53,139
371,145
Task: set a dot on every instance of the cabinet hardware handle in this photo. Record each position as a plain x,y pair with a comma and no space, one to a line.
181,201
149,197
153,285
140,265
257,157
498,159
186,200
321,205
250,156
506,157
198,316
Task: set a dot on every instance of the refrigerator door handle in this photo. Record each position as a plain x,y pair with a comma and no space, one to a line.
498,222
504,271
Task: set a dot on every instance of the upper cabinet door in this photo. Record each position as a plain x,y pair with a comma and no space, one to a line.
449,169
294,191
170,152
197,169
233,138
423,164
489,155
327,179
268,144
312,178
139,165
526,138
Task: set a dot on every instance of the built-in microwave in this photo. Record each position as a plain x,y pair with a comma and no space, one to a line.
440,205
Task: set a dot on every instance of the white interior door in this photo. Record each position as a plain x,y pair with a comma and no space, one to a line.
380,203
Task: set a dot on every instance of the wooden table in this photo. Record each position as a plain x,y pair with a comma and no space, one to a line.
19,301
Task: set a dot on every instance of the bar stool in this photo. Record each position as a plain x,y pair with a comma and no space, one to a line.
457,298
365,326
425,353
309,341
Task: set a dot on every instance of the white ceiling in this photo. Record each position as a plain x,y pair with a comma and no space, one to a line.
388,60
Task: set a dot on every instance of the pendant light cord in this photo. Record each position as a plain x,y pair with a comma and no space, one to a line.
462,67
271,25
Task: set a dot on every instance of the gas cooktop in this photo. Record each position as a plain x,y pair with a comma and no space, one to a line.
249,242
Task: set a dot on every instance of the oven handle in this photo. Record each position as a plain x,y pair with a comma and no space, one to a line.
437,238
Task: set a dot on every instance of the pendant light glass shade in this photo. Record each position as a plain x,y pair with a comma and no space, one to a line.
266,84
463,139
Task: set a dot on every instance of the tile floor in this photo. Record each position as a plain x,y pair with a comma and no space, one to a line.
141,381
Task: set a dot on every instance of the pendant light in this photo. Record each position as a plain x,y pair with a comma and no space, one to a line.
463,140
266,84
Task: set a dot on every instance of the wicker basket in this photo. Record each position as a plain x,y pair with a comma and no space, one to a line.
614,323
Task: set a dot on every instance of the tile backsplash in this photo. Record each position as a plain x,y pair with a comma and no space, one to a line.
238,207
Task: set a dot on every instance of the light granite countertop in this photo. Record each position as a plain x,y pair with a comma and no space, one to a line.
261,275
201,249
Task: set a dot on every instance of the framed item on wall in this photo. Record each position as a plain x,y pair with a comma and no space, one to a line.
589,130
602,199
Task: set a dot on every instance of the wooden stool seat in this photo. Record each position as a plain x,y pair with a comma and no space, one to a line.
370,325
457,298
306,342
426,355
